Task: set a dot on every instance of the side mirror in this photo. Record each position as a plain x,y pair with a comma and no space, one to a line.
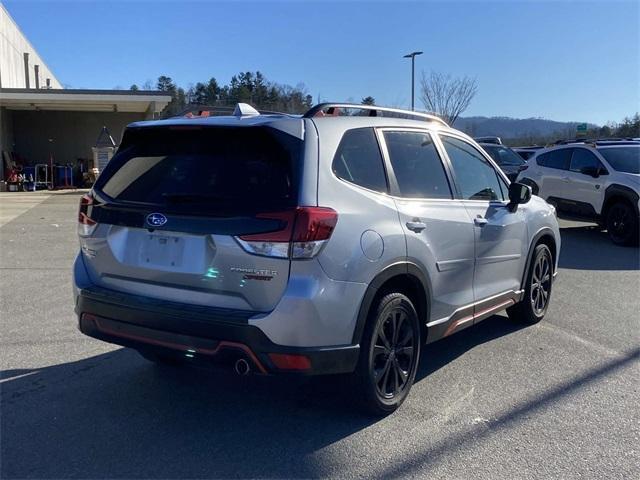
591,171
519,193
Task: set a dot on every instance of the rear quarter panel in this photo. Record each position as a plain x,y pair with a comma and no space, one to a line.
368,236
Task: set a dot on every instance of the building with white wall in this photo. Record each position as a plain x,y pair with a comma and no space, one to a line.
43,123
20,64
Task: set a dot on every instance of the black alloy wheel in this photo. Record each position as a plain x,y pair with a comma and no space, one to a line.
393,352
622,224
537,292
540,284
389,354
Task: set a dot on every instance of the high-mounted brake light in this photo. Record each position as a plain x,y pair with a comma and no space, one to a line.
86,225
304,232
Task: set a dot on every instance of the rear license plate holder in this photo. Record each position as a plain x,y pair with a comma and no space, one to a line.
162,251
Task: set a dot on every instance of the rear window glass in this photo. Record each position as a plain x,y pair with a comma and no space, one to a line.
205,168
358,160
555,159
622,159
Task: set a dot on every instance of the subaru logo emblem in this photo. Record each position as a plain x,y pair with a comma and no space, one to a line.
156,219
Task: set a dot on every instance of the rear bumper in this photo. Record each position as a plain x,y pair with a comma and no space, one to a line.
207,335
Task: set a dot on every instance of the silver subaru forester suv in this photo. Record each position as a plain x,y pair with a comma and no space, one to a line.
339,241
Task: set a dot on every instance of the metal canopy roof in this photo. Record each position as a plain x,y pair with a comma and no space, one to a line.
83,100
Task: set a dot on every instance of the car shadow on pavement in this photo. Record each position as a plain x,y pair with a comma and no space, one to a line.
414,464
589,248
438,354
117,416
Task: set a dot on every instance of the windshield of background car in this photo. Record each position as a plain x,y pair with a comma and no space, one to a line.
623,159
504,156
205,169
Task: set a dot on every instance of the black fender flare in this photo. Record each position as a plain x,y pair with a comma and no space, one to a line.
403,268
544,231
616,190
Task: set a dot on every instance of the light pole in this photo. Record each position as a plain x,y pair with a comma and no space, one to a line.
412,56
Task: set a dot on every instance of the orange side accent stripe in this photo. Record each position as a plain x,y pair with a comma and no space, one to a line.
499,306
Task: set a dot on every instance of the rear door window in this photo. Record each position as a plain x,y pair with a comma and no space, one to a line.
417,166
358,160
205,169
558,159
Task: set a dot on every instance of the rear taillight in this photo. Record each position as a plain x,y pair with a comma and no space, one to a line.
304,232
86,225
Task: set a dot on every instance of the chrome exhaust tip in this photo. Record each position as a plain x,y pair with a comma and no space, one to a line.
242,367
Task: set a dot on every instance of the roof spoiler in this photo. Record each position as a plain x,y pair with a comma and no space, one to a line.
332,109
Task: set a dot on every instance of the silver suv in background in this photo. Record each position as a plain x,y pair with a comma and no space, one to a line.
340,241
591,181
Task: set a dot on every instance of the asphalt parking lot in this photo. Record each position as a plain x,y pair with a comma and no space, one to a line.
558,399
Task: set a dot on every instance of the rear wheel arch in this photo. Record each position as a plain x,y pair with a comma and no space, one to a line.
403,277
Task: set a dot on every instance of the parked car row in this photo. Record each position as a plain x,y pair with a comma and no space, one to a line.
587,180
596,182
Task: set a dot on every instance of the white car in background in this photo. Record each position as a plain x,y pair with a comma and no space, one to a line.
597,182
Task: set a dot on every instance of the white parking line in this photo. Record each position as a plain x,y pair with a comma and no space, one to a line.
588,343
18,376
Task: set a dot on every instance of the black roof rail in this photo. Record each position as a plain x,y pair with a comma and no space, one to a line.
598,141
618,141
575,140
373,111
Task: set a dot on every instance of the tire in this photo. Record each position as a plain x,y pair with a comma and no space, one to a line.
622,224
389,354
537,293
160,359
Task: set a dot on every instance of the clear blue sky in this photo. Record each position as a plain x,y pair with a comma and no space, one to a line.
559,60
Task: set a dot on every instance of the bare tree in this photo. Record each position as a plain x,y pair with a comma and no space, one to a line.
446,96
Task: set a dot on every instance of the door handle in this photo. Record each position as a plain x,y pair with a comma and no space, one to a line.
480,221
416,225
566,179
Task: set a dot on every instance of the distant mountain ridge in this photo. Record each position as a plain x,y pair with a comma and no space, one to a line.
507,127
